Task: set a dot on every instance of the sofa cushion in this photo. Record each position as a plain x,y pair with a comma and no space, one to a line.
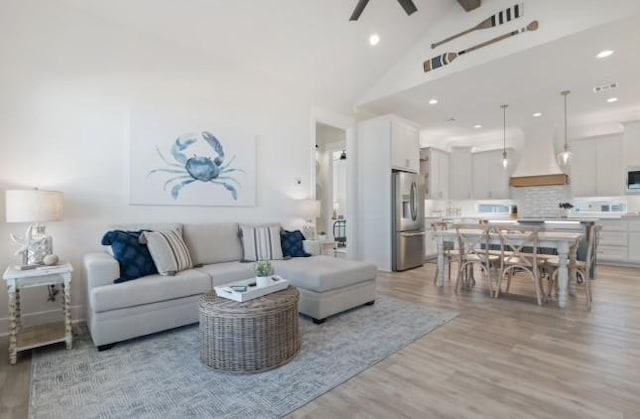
133,257
169,251
293,244
223,273
261,242
149,289
323,273
213,243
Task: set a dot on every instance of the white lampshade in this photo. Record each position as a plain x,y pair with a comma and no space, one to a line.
310,208
33,205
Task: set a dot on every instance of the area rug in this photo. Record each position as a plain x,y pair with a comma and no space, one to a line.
161,376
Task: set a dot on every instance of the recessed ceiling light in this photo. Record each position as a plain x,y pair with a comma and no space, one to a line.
374,39
537,114
433,102
612,99
477,126
604,53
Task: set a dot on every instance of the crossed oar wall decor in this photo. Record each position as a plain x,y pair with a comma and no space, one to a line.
503,16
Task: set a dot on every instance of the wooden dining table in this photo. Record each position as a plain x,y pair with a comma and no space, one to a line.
565,243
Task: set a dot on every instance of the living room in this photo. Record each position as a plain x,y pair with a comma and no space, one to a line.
201,117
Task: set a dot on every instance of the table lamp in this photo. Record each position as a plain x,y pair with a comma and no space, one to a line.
33,206
311,211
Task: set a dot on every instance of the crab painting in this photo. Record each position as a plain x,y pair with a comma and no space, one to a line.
198,168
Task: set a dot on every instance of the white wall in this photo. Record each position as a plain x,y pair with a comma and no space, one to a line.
68,83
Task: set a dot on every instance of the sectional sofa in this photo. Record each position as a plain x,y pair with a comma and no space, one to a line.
117,312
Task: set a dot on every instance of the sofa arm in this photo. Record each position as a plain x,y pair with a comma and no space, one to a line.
100,269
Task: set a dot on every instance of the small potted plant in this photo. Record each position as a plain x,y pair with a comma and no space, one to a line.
322,236
566,209
263,270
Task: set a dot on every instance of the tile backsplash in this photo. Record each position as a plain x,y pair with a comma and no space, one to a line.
540,201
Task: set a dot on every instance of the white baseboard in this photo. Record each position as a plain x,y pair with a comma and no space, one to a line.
42,317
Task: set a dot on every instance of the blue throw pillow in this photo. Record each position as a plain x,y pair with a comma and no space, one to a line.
133,257
292,244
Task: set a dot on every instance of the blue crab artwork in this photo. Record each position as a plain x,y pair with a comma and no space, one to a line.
198,168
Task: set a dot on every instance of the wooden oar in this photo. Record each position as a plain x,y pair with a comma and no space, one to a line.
448,57
503,16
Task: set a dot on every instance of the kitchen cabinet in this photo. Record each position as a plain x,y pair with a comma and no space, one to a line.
405,146
437,177
634,247
583,168
460,173
383,144
490,179
596,167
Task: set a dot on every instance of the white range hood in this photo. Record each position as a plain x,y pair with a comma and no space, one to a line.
538,165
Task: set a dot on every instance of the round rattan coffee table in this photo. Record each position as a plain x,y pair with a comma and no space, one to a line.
252,336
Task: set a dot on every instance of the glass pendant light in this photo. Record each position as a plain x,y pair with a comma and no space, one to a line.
564,157
505,158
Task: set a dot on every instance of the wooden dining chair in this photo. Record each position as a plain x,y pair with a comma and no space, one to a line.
448,248
473,249
584,269
520,254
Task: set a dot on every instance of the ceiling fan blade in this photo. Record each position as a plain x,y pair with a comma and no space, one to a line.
358,10
408,6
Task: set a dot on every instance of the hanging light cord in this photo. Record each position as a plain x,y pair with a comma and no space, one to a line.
504,130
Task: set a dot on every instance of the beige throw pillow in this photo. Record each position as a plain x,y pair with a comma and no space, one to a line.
261,242
168,251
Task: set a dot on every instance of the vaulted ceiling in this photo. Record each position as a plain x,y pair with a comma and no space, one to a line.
309,44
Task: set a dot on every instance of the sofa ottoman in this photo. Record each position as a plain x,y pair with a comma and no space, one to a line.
329,285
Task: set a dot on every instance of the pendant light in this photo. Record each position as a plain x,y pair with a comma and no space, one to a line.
505,159
564,157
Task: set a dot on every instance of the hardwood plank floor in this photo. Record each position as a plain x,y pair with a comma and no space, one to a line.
499,358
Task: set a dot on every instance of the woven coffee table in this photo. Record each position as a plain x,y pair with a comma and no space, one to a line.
252,336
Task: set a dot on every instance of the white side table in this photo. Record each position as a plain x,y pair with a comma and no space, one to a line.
22,339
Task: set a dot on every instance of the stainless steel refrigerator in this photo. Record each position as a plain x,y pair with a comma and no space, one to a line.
407,221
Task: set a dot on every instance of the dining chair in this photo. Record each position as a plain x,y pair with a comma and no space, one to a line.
448,248
473,249
520,254
584,269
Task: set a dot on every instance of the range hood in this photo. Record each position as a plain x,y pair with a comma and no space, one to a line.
537,165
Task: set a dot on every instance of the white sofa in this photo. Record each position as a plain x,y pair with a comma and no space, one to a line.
117,312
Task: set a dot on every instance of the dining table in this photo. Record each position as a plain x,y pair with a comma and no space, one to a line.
565,243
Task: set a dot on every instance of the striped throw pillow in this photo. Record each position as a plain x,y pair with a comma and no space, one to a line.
168,251
261,242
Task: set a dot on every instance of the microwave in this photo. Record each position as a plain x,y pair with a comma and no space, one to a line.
633,179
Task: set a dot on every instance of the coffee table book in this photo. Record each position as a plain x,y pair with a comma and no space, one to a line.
252,292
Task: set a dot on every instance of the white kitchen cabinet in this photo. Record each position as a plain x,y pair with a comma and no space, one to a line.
438,174
380,141
596,167
480,176
405,146
613,245
609,167
583,168
634,247
460,173
490,179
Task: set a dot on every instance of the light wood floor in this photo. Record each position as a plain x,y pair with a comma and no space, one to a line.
505,358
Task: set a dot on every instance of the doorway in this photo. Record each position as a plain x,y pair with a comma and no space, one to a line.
331,188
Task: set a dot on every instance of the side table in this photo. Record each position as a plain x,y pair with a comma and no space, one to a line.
21,339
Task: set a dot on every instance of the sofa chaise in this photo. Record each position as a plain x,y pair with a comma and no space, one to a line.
117,312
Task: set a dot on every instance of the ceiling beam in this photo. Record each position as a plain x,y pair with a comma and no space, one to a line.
469,5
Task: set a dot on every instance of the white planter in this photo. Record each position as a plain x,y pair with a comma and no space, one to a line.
566,213
263,281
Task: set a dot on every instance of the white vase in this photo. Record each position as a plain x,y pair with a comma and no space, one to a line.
263,281
566,213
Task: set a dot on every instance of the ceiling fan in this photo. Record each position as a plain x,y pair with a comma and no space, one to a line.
407,5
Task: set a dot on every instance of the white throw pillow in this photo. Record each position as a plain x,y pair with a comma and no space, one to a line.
261,242
168,251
